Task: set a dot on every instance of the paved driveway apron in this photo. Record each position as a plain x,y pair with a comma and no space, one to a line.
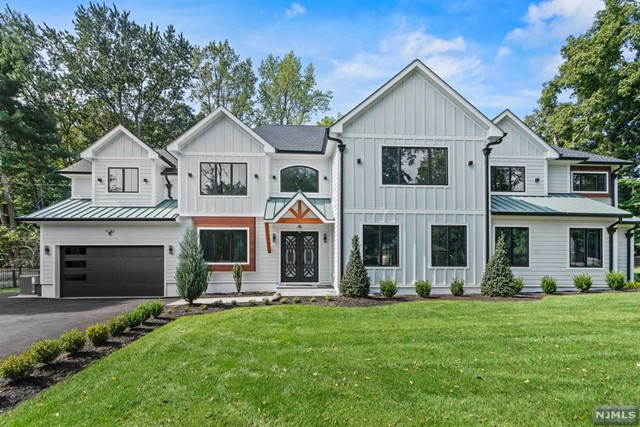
26,320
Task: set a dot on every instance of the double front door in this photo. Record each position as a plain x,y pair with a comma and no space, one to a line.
299,257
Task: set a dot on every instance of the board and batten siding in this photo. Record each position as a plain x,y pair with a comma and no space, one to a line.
534,169
517,142
81,187
558,175
122,147
145,195
222,141
320,163
549,249
77,234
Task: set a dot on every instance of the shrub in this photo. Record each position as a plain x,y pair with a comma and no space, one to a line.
117,325
457,287
266,301
284,301
237,277
355,282
98,333
185,309
252,302
133,318
72,341
192,271
636,277
17,367
203,307
497,280
297,300
328,297
615,280
548,284
313,299
582,282
423,288
632,285
45,351
234,302
155,307
518,284
388,288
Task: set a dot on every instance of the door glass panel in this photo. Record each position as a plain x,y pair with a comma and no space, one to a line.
308,257
290,270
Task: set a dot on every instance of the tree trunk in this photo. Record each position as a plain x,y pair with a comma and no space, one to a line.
6,187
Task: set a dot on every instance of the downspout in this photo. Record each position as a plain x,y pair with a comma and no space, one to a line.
169,186
629,234
487,194
341,147
614,176
611,231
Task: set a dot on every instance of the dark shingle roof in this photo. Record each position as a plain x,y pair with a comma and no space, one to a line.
82,166
569,154
294,138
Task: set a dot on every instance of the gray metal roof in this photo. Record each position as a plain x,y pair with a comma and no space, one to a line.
294,138
633,220
554,205
569,154
275,205
82,210
82,166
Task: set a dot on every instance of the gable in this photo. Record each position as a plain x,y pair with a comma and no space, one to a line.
520,140
222,135
121,146
417,102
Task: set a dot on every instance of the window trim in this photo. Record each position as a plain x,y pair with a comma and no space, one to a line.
466,247
510,167
294,166
602,247
378,224
379,167
247,229
588,172
495,234
123,184
199,190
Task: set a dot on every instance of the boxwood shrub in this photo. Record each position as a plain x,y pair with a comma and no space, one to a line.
548,284
45,351
423,288
117,325
98,333
72,341
155,307
615,280
17,367
388,288
582,282
457,287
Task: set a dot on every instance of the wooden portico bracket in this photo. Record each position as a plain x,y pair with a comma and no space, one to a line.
266,230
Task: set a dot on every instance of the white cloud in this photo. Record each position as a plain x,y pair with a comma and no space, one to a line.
296,9
550,66
503,52
555,20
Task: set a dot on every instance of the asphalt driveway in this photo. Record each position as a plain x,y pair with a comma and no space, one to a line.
26,320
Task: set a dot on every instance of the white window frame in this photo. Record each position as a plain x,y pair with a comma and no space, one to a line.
229,229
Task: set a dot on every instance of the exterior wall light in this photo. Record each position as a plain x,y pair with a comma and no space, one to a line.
273,237
537,179
324,237
359,161
190,175
170,249
470,162
255,175
299,229
99,179
145,180
47,251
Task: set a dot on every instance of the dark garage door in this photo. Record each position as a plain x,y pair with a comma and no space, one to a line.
112,271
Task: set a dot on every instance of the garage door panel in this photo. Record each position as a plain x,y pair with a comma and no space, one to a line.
112,271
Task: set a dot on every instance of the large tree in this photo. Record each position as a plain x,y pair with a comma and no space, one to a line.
221,79
593,103
135,73
286,94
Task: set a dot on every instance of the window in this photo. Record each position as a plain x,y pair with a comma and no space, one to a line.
585,247
516,243
507,178
380,245
225,246
591,182
449,246
226,179
414,166
299,178
123,180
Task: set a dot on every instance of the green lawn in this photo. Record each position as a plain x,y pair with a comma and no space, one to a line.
4,290
455,363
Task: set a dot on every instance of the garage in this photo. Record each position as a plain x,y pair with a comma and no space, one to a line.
112,271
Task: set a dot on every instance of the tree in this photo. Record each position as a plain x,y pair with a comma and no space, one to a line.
220,79
286,95
328,120
498,280
593,103
192,271
135,73
355,282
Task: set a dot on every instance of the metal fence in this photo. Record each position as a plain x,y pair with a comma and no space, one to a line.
10,277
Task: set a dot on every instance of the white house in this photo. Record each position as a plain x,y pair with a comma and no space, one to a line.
425,180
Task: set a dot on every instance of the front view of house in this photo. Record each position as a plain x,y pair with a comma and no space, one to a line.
406,171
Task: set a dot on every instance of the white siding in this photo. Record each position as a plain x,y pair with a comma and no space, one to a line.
144,197
93,234
123,147
623,255
534,169
558,177
517,143
81,186
321,163
335,206
549,249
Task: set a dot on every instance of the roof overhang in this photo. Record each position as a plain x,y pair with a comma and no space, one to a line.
554,205
290,206
90,152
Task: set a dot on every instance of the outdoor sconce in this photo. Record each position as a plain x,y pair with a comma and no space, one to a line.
110,232
273,237
274,177
190,175
99,179
255,175
46,250
299,229
359,161
170,249
470,162
324,237
145,180
325,178
537,179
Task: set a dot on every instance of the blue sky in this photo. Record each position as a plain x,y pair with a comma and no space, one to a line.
495,53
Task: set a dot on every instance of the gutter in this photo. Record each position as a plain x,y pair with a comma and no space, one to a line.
341,148
487,194
629,234
611,231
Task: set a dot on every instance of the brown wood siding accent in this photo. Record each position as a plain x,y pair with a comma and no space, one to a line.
267,233
606,169
231,222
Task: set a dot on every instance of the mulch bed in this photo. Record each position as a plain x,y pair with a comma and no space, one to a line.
235,294
45,376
